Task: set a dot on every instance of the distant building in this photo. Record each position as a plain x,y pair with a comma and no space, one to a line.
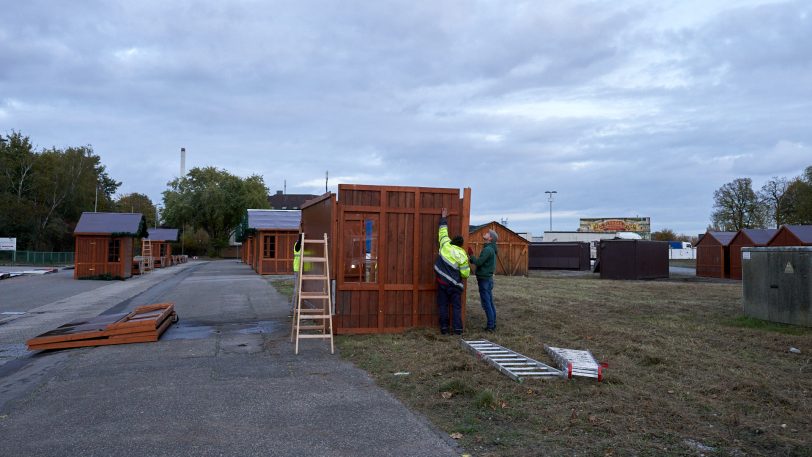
282,200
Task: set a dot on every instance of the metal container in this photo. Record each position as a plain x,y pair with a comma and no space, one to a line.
559,256
633,259
777,284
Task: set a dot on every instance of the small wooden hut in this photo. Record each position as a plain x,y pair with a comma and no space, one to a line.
713,254
271,236
160,239
792,235
383,244
512,249
104,244
746,238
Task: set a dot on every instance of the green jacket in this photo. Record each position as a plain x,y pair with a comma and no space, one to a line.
486,262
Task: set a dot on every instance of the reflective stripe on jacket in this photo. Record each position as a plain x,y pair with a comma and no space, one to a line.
452,263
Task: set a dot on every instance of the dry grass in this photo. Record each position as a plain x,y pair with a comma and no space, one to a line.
685,371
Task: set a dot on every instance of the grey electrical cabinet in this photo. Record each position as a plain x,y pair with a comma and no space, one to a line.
777,284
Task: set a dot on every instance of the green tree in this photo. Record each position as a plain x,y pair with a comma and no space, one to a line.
773,197
736,206
665,234
213,200
42,194
137,203
797,202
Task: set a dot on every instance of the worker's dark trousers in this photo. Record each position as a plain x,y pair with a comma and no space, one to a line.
449,295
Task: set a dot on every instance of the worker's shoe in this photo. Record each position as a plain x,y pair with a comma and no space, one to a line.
444,331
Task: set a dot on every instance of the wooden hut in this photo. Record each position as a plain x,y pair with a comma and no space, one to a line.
271,235
383,243
104,244
792,235
160,239
713,254
746,238
512,249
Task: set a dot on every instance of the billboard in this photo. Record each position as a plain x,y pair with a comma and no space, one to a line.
639,225
8,244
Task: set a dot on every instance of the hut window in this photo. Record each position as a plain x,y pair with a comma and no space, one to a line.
269,247
362,259
163,250
113,250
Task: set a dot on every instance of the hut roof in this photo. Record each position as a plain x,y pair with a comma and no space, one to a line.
724,238
802,232
163,234
759,236
274,219
117,224
475,228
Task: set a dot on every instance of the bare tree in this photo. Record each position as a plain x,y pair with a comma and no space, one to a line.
772,196
736,206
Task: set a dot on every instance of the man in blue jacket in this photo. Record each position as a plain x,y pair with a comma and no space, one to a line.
451,270
485,266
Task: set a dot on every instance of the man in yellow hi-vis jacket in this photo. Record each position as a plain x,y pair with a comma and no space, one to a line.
451,270
297,263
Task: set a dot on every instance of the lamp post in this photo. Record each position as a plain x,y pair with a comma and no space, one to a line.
550,199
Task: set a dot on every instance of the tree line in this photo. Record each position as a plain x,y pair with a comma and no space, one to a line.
779,201
43,192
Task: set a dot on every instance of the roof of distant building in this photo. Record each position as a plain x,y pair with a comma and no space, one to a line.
281,200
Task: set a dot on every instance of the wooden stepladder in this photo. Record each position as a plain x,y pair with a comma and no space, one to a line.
146,254
313,312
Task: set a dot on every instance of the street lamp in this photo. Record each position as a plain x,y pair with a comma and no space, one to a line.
550,199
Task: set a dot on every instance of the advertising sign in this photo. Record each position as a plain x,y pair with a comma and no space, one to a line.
8,244
639,225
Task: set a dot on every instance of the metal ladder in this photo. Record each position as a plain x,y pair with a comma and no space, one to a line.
575,362
320,317
510,363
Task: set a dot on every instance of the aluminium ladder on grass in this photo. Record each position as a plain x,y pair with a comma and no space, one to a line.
319,318
510,363
575,362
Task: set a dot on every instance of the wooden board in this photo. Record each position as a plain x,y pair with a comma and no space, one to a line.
144,324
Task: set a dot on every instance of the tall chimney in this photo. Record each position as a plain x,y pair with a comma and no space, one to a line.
182,162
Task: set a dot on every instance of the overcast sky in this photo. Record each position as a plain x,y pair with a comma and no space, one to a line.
625,108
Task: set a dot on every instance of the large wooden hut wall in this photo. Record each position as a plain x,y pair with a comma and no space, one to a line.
103,254
792,235
512,249
384,244
746,238
713,255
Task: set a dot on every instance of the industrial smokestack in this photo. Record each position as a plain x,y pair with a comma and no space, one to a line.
182,162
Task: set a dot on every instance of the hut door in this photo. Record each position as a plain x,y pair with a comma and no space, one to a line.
91,256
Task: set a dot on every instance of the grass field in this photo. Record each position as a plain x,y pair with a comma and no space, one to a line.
688,374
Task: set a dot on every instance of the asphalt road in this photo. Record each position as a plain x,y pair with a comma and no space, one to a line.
24,293
221,382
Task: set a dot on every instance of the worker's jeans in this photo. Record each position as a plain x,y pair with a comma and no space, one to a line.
295,291
486,297
449,295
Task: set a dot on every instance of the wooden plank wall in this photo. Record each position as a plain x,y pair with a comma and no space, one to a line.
405,222
90,257
785,238
282,264
712,259
512,255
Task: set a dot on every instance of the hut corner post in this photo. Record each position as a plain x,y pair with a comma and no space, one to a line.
465,220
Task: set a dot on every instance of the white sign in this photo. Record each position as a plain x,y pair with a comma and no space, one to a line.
8,244
746,255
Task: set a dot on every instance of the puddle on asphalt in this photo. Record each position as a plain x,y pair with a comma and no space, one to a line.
191,331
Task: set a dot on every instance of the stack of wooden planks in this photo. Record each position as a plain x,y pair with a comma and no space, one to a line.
144,324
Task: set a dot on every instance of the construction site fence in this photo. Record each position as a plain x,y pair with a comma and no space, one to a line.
36,258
